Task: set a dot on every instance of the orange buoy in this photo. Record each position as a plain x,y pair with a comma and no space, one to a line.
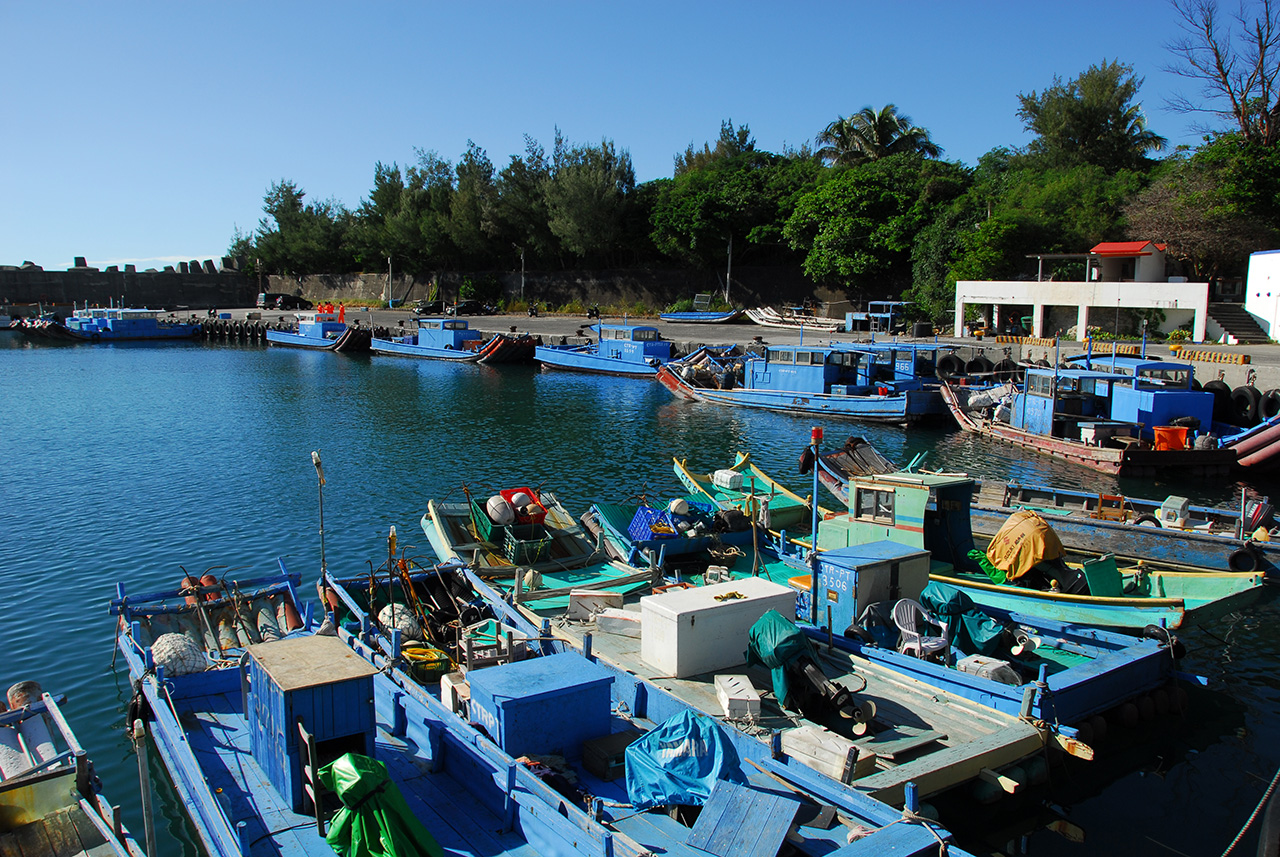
209,580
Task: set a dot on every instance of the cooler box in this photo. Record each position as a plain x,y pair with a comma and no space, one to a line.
687,631
851,578
543,705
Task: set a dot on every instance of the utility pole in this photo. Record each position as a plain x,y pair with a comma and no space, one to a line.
390,291
728,274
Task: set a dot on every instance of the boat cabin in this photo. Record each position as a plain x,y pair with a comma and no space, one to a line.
118,320
447,333
841,369
632,343
1125,397
320,325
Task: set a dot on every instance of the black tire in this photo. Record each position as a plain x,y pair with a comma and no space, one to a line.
1243,560
1270,405
978,366
1244,406
1221,400
950,366
1196,385
1144,520
1008,370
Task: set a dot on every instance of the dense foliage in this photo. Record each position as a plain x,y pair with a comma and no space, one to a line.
871,212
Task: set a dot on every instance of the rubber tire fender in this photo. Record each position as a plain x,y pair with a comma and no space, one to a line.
1270,405
1221,399
1243,560
1143,520
950,365
1244,405
978,365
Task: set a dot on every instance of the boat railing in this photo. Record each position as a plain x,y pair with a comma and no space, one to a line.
73,756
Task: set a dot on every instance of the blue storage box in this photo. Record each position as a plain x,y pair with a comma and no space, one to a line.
543,705
851,578
650,523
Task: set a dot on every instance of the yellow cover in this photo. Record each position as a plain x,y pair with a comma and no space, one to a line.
1024,540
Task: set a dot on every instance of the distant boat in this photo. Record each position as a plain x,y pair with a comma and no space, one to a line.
111,324
636,351
323,331
708,317
794,319
453,339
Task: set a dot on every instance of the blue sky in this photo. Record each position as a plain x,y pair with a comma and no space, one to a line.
147,132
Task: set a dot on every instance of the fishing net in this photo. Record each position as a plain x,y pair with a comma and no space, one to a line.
401,617
178,654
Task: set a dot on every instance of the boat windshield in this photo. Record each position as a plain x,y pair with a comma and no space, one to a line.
1163,378
643,334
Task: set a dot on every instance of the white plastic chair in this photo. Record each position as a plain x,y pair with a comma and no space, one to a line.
910,618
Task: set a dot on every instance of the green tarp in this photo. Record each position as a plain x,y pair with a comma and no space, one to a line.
374,820
972,631
774,642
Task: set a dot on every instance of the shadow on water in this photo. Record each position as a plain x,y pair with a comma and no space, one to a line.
129,463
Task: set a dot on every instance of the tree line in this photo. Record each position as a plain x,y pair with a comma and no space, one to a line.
872,209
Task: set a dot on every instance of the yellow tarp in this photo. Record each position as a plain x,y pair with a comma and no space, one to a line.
1024,540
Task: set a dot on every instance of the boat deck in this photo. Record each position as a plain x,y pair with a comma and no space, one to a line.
219,738
919,734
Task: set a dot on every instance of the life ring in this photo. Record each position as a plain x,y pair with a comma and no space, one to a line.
806,460
1270,405
1243,560
1147,520
1244,405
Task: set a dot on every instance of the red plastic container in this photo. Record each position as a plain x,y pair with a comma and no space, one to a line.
537,517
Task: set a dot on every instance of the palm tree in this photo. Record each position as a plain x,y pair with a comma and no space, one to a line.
869,135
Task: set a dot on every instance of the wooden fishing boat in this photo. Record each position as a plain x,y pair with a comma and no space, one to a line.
323,331
794,319
1134,424
112,324
250,735
635,351
877,383
51,801
613,711
453,339
703,317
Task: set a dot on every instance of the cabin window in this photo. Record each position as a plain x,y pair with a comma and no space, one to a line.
782,357
455,325
644,335
1158,379
1040,385
875,505
431,325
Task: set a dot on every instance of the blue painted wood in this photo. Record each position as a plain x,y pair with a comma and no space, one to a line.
738,820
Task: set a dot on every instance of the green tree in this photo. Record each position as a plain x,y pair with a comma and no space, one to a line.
1091,119
730,144
472,210
302,238
587,194
522,212
869,135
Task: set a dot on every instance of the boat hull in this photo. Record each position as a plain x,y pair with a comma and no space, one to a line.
352,340
702,317
582,360
497,349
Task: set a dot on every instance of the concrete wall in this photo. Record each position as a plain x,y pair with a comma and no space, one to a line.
1262,291
1104,297
155,289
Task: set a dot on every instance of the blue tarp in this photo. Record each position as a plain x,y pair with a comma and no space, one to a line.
971,630
679,762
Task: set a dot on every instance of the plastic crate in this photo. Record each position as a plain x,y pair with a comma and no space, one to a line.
536,517
650,523
486,529
525,544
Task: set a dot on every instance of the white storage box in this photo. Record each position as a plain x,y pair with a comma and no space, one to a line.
687,631
738,696
586,603
1174,512
729,480
455,693
624,623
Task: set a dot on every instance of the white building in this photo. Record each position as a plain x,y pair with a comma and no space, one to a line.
1119,275
1262,292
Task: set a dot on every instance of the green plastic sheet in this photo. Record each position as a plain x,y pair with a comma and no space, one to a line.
374,820
774,642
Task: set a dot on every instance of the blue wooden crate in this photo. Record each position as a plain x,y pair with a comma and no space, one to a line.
320,681
543,705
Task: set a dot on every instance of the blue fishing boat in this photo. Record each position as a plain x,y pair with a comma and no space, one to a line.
112,324
611,778
875,382
1124,416
702,317
51,801
631,350
453,339
323,331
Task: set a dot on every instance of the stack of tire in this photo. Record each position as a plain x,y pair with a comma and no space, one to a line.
1244,406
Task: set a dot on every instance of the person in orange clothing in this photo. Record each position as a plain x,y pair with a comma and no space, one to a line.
342,313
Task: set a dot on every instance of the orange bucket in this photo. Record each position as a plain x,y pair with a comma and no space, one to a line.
1170,437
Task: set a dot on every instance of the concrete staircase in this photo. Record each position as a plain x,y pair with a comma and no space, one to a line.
1236,321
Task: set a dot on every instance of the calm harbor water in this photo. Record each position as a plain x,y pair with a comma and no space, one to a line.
132,462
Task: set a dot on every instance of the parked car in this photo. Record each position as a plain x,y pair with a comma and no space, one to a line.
428,308
280,300
468,307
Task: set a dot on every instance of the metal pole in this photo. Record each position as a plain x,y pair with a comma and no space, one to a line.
815,438
315,459
144,779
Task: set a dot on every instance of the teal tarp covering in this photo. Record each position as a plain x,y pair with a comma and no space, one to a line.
971,630
374,820
679,762
774,642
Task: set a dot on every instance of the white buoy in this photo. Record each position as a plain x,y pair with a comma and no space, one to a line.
500,511
34,730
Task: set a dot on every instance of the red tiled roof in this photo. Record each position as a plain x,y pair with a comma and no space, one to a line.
1124,248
